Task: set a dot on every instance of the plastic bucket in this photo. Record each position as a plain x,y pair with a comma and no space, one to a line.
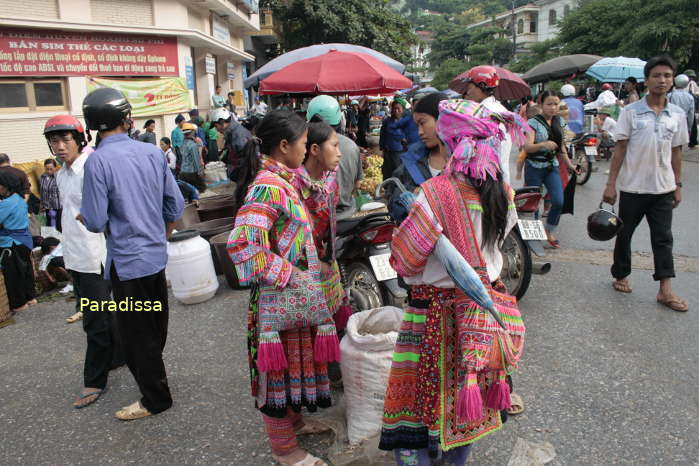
212,228
189,217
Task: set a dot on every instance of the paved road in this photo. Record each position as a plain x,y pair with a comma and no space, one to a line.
607,378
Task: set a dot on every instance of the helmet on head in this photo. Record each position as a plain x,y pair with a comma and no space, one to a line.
606,86
105,109
484,75
568,90
603,225
690,73
354,102
63,123
681,81
221,114
325,107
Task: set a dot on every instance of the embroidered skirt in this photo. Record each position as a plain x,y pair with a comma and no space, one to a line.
304,383
420,403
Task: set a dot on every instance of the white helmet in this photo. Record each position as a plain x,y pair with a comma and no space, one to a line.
681,81
220,114
568,90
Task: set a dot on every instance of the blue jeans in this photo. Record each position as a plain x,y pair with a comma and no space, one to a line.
550,178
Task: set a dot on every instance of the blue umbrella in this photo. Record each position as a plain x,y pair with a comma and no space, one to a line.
617,69
452,94
313,51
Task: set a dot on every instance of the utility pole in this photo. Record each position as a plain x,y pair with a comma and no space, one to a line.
514,31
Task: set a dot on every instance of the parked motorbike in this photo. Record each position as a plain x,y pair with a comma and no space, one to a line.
363,249
525,239
582,149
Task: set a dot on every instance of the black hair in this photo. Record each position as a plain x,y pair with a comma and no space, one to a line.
166,140
78,137
148,123
657,61
276,126
50,161
49,243
10,181
430,104
632,80
495,203
318,132
231,93
557,135
4,158
251,123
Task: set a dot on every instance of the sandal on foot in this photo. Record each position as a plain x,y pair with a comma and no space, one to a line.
75,317
132,412
312,427
621,287
676,304
516,405
97,394
308,460
554,244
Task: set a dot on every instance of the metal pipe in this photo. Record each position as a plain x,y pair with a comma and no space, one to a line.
541,268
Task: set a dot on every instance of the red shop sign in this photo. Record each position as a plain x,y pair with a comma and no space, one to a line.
58,53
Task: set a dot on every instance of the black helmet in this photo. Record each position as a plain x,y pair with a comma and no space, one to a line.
603,225
105,109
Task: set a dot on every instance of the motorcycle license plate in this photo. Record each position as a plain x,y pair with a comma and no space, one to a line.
382,269
532,230
590,150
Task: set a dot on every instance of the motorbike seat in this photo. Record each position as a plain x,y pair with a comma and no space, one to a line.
527,190
347,226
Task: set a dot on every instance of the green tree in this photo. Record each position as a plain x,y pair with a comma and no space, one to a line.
485,48
539,53
370,23
446,71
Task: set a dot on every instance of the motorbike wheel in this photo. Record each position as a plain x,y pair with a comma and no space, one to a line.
581,160
517,264
363,287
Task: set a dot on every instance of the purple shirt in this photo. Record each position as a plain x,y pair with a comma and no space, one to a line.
129,193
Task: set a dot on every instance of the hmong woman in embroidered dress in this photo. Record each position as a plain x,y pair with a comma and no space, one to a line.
272,248
424,420
316,181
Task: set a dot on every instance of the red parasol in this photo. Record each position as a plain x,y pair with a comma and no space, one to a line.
511,86
336,72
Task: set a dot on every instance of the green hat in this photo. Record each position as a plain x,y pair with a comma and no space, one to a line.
606,111
325,107
402,101
690,73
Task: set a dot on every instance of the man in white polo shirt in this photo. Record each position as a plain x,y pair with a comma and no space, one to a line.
647,169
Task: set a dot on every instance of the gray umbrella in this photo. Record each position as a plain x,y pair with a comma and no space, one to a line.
313,51
560,67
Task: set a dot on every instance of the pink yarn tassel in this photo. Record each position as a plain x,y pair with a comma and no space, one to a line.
326,347
342,316
469,406
270,353
498,397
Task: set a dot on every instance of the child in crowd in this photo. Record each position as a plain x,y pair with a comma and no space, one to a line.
166,146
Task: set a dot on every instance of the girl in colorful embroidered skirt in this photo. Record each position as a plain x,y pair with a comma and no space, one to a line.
272,249
436,406
316,181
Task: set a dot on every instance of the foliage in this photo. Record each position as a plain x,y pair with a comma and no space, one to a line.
539,53
634,28
446,71
370,23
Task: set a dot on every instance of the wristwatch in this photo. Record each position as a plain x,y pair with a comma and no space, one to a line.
678,183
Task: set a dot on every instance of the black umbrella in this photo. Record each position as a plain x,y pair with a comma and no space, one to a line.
560,67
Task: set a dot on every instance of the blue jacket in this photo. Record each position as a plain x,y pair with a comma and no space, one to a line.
576,114
412,172
393,132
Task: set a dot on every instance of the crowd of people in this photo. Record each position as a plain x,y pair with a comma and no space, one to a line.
116,203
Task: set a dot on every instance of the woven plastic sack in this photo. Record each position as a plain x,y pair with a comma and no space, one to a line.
367,351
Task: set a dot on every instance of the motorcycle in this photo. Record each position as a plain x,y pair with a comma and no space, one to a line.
582,149
524,240
363,248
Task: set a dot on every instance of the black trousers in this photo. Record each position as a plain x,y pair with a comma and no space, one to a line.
98,325
657,209
143,335
19,274
391,161
693,135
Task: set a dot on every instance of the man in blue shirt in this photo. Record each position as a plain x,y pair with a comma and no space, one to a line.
130,194
398,131
576,109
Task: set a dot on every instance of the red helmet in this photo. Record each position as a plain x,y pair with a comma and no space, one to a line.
606,86
63,123
484,74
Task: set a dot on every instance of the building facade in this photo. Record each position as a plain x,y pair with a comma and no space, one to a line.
167,56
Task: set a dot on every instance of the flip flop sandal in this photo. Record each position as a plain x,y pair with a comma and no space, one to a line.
308,460
99,394
517,405
554,244
74,318
676,305
132,412
622,287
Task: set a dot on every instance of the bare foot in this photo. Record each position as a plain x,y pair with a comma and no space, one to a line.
32,302
622,286
21,308
296,457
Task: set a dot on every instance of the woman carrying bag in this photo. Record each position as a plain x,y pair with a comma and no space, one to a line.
291,333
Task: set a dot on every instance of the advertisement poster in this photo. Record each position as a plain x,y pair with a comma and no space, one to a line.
58,53
149,96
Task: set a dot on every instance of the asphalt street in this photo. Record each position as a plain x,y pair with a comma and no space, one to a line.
607,378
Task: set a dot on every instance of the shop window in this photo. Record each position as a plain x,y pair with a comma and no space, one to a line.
32,94
520,26
532,23
552,17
